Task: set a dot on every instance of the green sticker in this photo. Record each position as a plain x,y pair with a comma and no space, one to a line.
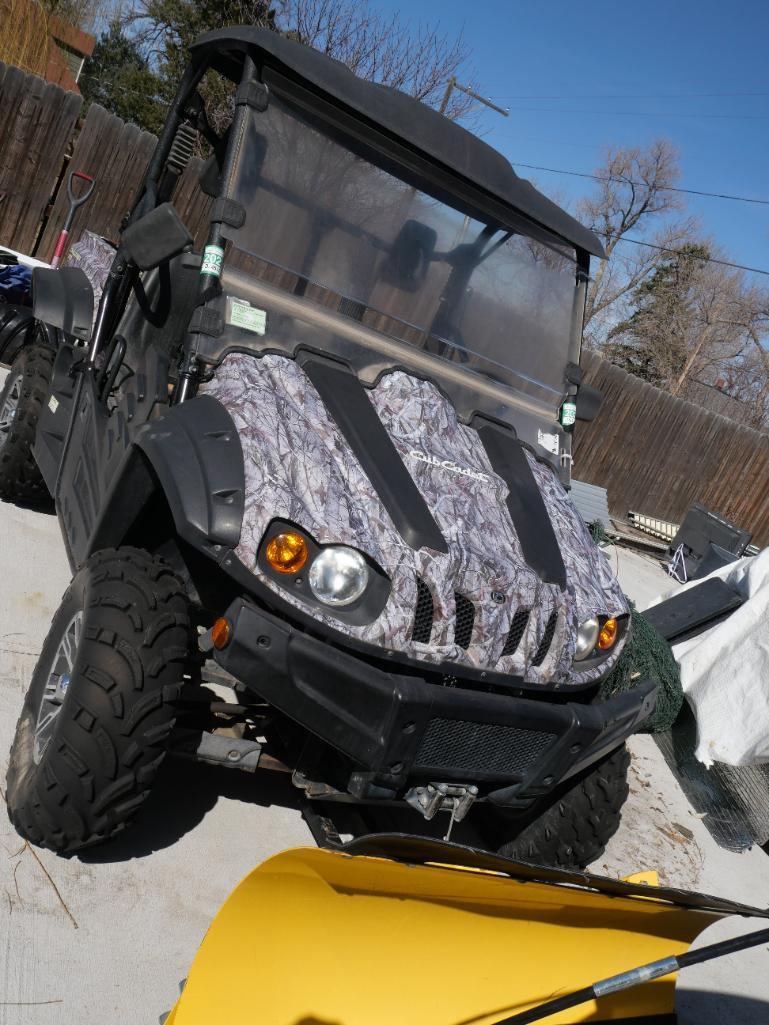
213,258
242,314
568,413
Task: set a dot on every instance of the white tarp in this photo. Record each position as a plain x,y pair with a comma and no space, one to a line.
725,671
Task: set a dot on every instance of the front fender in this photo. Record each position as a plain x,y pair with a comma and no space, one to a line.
194,451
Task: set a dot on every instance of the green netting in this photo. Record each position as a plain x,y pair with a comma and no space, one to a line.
647,654
598,533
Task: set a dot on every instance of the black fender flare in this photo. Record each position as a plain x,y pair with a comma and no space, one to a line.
63,299
195,456
191,455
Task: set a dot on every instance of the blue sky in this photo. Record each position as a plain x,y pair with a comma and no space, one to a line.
563,67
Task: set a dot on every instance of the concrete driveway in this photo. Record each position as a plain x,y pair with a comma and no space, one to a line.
105,937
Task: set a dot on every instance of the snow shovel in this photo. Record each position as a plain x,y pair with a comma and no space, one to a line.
74,203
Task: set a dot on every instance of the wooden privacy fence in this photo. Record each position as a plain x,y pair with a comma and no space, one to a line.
38,124
657,454
653,453
116,155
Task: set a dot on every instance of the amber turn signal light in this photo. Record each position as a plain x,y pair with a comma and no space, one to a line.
608,634
286,552
221,632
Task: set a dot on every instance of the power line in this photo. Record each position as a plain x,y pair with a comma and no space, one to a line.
680,252
640,113
644,185
626,96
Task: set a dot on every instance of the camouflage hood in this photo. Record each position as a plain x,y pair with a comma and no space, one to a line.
477,604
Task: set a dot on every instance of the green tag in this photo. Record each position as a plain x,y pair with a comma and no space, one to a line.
568,413
242,314
213,258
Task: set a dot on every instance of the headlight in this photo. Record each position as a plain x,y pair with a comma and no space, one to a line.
338,575
587,638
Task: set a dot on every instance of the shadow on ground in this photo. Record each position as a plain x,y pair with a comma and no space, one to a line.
181,797
37,505
185,792
699,1007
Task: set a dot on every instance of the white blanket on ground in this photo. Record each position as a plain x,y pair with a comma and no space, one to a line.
725,671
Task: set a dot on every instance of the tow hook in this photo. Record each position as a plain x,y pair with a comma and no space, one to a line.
455,798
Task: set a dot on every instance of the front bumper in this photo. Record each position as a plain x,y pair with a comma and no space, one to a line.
398,728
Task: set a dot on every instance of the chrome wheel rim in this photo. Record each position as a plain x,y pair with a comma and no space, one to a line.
58,679
9,409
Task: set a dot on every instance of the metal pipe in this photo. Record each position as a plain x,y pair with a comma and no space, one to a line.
213,253
145,197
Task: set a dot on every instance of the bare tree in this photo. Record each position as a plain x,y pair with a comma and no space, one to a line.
694,319
747,378
728,336
418,60
633,197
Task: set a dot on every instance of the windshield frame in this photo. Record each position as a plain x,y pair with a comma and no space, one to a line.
481,284
521,404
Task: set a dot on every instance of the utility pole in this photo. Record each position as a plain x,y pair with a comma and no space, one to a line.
452,84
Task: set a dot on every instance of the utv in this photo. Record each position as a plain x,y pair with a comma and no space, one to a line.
330,452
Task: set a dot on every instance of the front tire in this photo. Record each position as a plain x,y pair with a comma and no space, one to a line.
21,402
100,707
573,828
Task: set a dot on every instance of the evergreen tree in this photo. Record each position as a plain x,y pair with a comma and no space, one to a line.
118,77
654,341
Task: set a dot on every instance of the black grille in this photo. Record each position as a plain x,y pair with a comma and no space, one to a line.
516,631
480,747
547,640
423,617
463,630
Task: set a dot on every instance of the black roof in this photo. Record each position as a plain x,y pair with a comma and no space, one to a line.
423,129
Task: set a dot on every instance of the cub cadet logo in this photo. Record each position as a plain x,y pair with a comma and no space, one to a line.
447,464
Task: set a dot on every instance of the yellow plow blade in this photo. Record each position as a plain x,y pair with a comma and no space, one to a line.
315,937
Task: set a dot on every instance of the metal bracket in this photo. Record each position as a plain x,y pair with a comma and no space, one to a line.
434,797
231,752
206,321
228,211
323,829
313,788
217,749
253,94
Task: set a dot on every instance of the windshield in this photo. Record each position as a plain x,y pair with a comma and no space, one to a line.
328,224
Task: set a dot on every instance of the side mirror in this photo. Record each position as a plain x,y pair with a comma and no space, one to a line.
589,402
155,238
409,257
